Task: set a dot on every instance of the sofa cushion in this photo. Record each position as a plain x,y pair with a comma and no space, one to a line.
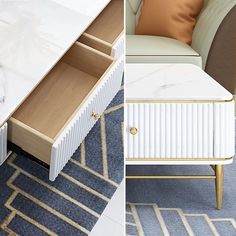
175,19
156,49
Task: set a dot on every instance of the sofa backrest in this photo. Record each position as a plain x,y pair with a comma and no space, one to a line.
133,9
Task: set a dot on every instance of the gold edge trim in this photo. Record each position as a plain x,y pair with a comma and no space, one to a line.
179,101
170,177
179,159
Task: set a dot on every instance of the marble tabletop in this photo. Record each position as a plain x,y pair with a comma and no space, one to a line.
171,82
35,34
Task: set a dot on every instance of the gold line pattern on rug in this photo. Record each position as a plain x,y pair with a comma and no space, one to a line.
161,220
94,173
115,108
83,154
211,226
6,222
49,209
104,147
132,224
231,220
17,191
17,212
127,212
136,219
182,215
94,192
55,190
39,203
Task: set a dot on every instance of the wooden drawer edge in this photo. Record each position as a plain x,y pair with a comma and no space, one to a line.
30,140
96,43
94,50
121,35
103,46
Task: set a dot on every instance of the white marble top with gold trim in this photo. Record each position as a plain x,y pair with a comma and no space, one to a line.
171,82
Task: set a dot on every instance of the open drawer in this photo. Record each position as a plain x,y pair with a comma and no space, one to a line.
106,32
56,117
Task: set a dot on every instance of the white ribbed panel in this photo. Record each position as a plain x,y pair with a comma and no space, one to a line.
224,128
80,125
118,47
3,143
175,130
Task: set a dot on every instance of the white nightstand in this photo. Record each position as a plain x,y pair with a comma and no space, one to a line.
176,114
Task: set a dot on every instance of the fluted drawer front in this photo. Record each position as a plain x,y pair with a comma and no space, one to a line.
175,130
81,124
118,47
3,143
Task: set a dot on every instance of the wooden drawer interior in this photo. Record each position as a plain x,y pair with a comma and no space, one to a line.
45,113
106,28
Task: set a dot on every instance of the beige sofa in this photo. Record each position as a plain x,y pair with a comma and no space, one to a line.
213,47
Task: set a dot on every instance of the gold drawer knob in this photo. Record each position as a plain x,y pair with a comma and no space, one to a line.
95,115
133,130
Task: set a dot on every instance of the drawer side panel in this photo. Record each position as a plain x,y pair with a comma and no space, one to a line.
30,140
224,129
3,143
72,136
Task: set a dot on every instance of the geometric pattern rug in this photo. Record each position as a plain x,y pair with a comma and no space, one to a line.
145,219
71,205
179,207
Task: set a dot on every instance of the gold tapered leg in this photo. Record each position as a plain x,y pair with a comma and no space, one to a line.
219,182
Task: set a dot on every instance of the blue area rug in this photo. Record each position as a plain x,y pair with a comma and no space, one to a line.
32,205
179,207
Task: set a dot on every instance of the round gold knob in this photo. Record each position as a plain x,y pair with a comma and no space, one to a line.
95,115
133,130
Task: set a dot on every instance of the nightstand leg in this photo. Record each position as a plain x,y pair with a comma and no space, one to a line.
219,182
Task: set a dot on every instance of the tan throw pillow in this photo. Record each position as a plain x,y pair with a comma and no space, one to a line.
169,18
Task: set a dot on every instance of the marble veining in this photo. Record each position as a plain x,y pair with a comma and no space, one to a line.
171,82
35,34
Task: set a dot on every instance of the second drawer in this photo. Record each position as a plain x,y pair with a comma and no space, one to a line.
106,32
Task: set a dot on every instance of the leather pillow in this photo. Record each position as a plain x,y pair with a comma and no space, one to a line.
169,18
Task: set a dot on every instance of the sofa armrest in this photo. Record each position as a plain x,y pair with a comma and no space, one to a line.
214,38
208,22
